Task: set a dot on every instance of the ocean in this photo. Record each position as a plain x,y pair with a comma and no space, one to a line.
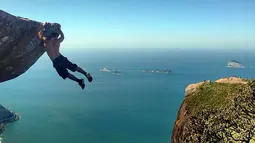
135,107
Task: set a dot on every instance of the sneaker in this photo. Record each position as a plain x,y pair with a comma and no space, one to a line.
81,83
89,77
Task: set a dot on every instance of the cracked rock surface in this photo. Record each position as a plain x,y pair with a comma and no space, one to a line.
20,47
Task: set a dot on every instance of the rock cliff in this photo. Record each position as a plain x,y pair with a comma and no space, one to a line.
220,111
20,47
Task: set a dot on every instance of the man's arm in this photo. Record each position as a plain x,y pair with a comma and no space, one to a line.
61,39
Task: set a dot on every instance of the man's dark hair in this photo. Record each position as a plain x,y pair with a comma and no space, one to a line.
54,35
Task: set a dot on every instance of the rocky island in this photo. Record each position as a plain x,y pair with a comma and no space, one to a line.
116,73
220,111
157,71
234,64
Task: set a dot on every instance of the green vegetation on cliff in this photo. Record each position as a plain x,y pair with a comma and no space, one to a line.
218,112
214,96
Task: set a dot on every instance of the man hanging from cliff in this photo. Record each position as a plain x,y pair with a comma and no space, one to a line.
60,63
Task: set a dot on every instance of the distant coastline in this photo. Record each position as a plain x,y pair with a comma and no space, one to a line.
7,116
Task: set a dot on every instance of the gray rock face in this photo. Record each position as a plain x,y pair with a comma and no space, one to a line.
20,46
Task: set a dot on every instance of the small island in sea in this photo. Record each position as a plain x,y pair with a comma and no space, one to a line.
157,71
105,70
116,73
234,64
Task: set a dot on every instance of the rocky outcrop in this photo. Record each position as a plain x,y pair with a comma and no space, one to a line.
220,111
6,116
20,47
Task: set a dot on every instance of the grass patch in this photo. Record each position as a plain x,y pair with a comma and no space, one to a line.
213,96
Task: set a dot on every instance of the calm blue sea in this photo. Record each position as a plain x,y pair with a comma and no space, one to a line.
133,108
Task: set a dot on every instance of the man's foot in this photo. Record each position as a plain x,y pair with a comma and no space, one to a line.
89,77
81,83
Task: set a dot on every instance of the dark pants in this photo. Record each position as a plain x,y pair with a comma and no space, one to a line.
61,64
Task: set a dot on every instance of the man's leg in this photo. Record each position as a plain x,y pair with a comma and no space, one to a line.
65,74
73,67
80,70
79,81
72,77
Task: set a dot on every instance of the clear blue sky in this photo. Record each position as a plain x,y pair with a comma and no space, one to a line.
145,23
